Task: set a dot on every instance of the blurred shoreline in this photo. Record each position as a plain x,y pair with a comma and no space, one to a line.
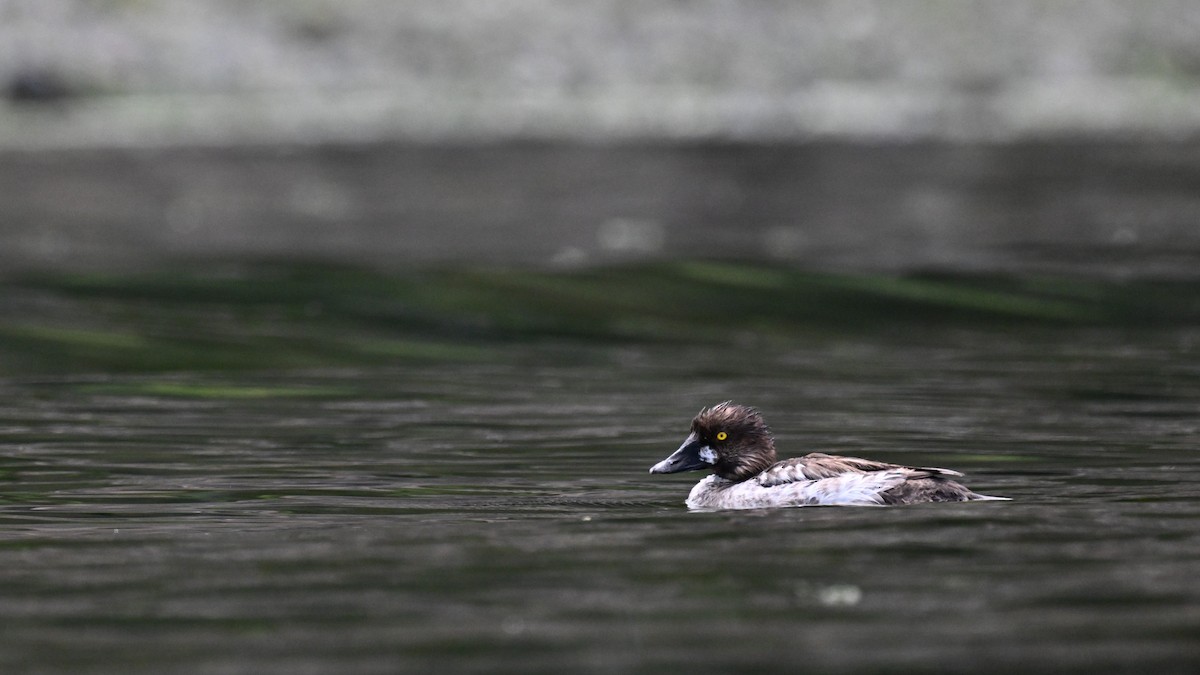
1027,137
1100,110
173,73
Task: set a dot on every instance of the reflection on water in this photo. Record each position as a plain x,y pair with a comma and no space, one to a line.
496,514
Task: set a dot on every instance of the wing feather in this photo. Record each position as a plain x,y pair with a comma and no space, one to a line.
818,465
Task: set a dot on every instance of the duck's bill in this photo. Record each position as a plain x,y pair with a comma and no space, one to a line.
692,455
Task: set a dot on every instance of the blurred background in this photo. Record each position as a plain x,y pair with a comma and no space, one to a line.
858,135
337,336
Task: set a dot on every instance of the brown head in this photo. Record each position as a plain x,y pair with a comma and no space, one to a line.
732,440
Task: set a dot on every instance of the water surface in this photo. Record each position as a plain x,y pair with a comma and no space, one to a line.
495,514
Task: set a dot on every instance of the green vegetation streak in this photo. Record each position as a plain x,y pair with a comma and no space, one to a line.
275,316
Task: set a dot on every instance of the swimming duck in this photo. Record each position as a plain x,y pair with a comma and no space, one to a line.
734,441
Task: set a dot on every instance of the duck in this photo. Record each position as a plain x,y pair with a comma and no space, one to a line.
737,445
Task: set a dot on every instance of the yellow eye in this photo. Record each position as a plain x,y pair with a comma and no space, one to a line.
721,435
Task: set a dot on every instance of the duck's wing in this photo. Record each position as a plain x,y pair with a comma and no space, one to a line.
818,465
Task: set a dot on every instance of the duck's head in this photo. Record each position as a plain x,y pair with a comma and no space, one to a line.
732,440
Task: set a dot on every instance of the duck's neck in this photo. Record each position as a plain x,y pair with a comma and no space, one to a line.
748,463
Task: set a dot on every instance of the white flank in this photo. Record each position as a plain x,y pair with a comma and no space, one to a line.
851,489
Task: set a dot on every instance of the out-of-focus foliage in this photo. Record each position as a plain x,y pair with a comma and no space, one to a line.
306,316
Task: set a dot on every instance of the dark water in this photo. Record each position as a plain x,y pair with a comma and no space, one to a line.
339,472
1097,206
497,515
